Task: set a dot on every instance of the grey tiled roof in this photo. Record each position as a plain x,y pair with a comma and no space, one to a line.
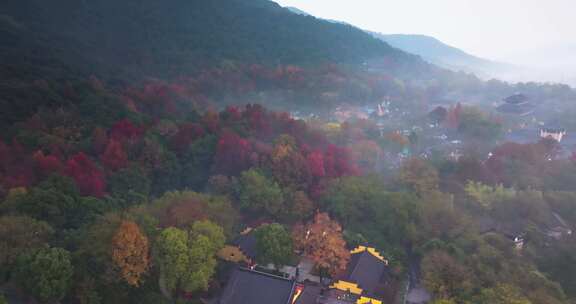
246,286
247,244
516,109
367,271
516,99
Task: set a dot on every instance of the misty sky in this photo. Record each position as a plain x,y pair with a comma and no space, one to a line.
535,32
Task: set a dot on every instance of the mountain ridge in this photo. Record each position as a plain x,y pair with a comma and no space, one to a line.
131,39
437,52
433,51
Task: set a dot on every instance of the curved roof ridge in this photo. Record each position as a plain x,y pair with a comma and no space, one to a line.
370,250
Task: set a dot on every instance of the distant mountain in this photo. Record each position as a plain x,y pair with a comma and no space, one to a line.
431,49
439,53
434,51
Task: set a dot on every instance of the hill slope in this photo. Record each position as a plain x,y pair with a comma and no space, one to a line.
127,42
432,50
439,53
127,39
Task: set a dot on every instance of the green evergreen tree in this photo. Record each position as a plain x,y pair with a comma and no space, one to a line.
45,273
274,245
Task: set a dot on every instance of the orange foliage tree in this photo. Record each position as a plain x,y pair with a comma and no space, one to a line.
321,241
289,167
130,252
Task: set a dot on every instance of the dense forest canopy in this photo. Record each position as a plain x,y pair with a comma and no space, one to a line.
140,137
136,38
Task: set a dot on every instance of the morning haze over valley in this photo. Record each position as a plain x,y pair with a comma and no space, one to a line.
287,152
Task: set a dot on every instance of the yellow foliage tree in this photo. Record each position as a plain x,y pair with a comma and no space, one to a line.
130,252
419,176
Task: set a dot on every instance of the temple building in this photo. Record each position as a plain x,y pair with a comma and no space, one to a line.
365,281
552,133
247,286
517,104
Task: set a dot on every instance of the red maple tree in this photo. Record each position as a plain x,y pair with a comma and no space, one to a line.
88,177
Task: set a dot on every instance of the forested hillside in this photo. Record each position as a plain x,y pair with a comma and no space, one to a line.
144,38
131,41
84,195
139,137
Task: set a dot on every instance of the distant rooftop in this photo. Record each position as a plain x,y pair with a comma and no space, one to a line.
521,109
516,99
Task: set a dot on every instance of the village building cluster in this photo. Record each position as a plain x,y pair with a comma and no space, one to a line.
365,280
